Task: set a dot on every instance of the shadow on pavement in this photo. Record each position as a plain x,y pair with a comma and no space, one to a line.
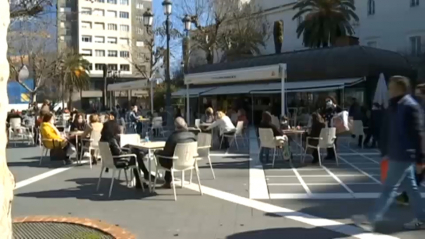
292,232
228,165
86,189
36,164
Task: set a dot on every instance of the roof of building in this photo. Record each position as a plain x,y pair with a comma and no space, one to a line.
326,63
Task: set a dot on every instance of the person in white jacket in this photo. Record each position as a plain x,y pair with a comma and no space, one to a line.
225,125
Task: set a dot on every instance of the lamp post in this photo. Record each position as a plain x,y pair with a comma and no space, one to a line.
23,75
114,75
167,5
187,20
147,22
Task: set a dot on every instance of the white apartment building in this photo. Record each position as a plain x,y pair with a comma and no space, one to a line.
105,32
396,25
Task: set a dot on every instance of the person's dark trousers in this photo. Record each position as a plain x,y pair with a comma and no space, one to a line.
140,155
139,127
77,145
368,133
36,139
264,155
166,163
419,179
315,155
330,152
375,140
226,139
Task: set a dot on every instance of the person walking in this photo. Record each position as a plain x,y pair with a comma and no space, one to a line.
402,143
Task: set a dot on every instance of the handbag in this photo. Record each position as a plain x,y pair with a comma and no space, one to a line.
384,169
57,153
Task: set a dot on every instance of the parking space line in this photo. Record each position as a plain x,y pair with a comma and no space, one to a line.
301,180
337,179
361,171
320,176
327,196
364,156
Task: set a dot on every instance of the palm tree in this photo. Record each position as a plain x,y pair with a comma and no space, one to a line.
325,21
75,75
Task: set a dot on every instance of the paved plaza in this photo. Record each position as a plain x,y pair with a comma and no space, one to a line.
246,200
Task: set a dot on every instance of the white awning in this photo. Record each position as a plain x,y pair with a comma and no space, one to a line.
272,88
193,92
130,85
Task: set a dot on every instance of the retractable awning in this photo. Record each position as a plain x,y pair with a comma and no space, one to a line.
193,92
130,85
274,88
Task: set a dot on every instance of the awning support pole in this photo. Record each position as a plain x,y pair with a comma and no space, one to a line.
187,105
151,86
252,109
282,89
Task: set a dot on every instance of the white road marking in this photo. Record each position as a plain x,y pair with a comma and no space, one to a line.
338,180
327,195
363,172
291,214
362,155
301,180
317,184
257,179
321,176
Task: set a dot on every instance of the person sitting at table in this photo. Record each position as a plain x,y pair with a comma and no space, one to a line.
52,137
134,119
180,135
242,117
208,117
317,124
266,123
110,134
94,126
78,124
225,125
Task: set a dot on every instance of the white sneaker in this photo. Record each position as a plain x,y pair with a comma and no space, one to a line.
363,222
415,224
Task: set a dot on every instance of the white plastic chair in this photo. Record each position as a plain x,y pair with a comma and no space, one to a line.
237,134
44,151
326,140
184,159
108,162
90,145
358,130
197,123
267,140
204,146
17,132
157,125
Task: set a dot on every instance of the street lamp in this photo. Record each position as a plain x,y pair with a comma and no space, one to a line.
114,75
187,22
23,73
148,18
167,4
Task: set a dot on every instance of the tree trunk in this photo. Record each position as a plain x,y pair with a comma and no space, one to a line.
7,182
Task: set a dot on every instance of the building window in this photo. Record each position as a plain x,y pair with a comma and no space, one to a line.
98,67
99,26
112,53
124,2
112,1
414,3
124,41
416,45
112,67
99,39
100,53
125,67
124,15
124,54
86,38
99,12
140,43
139,5
86,25
90,67
125,28
372,44
112,40
139,31
371,7
141,55
110,13
112,27
86,52
85,11
101,1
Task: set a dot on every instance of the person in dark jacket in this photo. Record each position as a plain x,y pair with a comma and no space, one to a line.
317,124
266,123
331,110
374,125
110,133
180,135
402,143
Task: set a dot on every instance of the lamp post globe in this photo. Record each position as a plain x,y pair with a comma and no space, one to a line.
23,73
148,18
187,22
167,5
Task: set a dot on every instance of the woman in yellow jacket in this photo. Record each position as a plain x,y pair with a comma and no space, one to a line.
51,136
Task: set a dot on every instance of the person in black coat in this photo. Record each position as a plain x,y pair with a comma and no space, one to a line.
266,123
331,110
374,125
180,135
317,124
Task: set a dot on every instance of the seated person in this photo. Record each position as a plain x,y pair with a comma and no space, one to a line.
180,135
266,123
208,117
224,123
78,124
51,136
317,124
110,133
94,126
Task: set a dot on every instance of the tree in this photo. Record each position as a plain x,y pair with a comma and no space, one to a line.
226,29
324,21
27,8
74,70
